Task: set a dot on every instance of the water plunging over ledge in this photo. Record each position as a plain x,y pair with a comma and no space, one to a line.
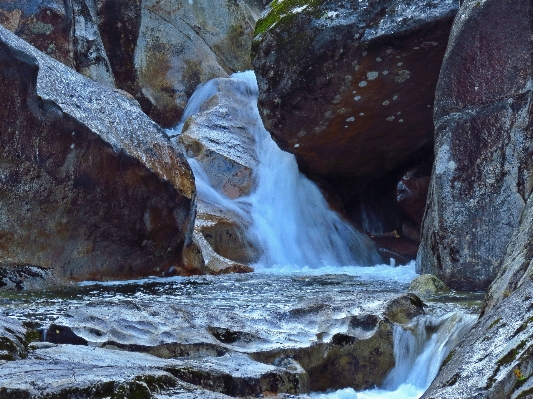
290,219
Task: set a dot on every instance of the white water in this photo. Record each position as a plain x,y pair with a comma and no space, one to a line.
419,351
290,219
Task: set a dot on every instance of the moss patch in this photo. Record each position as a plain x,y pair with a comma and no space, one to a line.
282,10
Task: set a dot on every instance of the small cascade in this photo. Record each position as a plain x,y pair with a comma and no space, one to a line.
289,218
419,350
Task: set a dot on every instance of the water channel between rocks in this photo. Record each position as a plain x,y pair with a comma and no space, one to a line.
275,310
277,307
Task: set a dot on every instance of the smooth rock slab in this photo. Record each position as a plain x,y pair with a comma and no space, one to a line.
89,372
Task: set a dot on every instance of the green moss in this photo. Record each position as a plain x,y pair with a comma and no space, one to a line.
511,355
281,10
494,323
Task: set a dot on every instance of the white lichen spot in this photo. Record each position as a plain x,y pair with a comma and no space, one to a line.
365,53
296,145
401,120
385,72
73,133
372,75
379,59
443,160
346,126
350,119
298,9
429,106
399,63
332,14
357,98
362,83
386,102
399,113
395,97
390,118
355,91
362,114
416,48
72,146
476,88
403,75
301,133
389,51
337,99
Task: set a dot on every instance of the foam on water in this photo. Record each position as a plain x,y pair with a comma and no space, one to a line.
290,219
419,351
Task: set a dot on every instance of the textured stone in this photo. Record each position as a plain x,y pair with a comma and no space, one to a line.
411,191
427,285
182,44
65,30
90,188
483,167
348,87
219,137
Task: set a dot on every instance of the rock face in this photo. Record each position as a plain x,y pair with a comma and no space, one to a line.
65,30
90,188
348,87
220,143
484,140
158,51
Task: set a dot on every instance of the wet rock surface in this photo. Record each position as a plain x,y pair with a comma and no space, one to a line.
90,188
482,173
351,351
219,138
14,339
158,51
426,285
348,87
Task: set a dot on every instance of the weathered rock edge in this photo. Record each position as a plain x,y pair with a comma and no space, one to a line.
90,187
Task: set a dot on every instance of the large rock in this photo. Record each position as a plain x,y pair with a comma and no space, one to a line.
484,140
158,51
65,30
494,360
348,87
90,188
182,44
220,137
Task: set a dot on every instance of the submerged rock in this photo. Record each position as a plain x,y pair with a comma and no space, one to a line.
348,87
90,188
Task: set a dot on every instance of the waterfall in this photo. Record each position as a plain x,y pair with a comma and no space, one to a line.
419,350
289,217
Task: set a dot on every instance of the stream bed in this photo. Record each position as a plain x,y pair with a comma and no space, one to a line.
289,308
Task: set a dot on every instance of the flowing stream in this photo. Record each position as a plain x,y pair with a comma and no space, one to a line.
312,259
298,232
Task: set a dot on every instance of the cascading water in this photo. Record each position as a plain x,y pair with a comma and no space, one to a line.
419,350
297,231
290,219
